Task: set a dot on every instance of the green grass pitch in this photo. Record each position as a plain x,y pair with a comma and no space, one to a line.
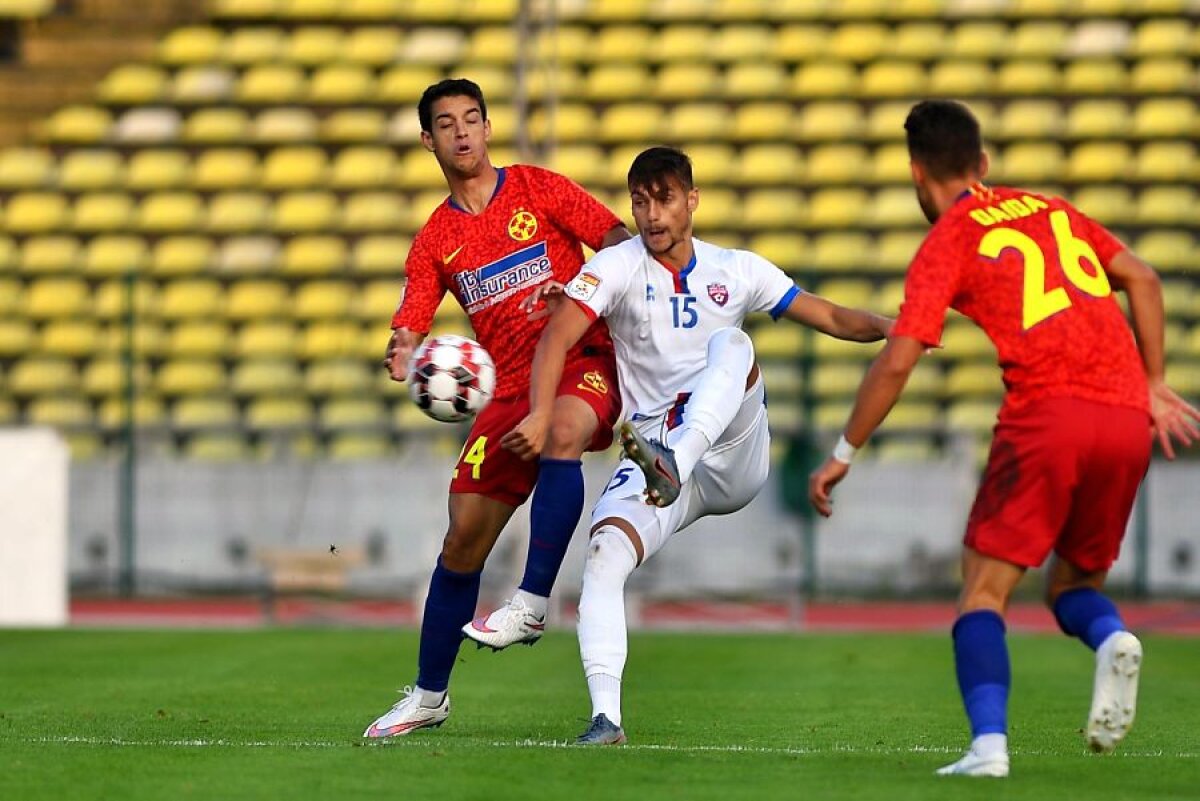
278,714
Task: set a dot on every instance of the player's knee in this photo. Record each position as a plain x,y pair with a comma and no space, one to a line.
730,339
567,438
462,550
610,556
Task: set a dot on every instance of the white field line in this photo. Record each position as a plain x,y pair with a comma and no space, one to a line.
837,748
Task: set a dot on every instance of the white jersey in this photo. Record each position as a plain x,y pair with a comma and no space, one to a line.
661,320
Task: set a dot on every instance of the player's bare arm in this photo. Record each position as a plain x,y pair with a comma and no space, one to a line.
856,325
566,326
399,351
1174,418
880,389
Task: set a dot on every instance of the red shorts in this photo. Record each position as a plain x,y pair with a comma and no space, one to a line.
1062,475
487,469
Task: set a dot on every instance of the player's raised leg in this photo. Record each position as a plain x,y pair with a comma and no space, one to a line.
705,414
981,663
475,523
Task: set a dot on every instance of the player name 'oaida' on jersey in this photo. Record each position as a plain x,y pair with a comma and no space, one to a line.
1010,209
488,285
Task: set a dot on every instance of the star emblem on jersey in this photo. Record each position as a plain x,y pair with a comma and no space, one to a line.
718,293
522,226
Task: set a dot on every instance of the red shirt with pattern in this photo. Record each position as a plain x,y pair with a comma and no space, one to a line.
529,233
1029,270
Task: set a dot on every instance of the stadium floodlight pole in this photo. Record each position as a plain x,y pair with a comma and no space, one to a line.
521,68
127,494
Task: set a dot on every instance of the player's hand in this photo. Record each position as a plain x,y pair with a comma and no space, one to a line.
528,438
822,482
1173,418
399,350
543,300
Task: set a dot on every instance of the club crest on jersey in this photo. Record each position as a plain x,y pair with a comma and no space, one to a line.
718,293
486,286
522,226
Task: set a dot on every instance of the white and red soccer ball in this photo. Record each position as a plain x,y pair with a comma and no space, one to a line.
451,378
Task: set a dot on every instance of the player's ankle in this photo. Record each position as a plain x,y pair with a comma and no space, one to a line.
537,604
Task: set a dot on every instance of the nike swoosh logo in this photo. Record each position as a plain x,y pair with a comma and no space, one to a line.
480,624
450,258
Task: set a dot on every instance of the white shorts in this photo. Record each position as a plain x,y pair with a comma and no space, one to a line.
727,477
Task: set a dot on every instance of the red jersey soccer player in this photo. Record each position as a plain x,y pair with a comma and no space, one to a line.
495,243
1074,434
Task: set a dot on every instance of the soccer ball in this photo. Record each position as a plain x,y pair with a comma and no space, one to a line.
451,378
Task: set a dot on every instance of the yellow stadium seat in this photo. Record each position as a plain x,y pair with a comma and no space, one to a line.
895,207
1164,75
1028,78
1099,77
1168,250
837,208
762,121
197,44
563,45
26,168
370,344
1038,40
829,120
755,80
718,210
217,125
147,411
892,79
740,42
377,300
305,256
190,377
1161,37
568,122
356,10
608,11
192,298
244,255
8,259
781,342
78,125
1184,378
1031,119
834,252
279,413
972,416
157,169
298,212
836,379
1177,301
890,164
133,84
799,42
963,340
918,41
203,84
631,122
71,338
1168,205
698,122
338,377
375,46
771,208
767,164
1100,161
381,255
373,211
102,211
584,163
218,447
979,39
686,81
614,44
886,120
356,446
680,43
203,339
54,253
285,125
308,9
266,339
422,205
225,168
961,78
341,84
1108,203
115,255
362,168
610,82
83,170
314,45
42,376
181,255
1165,117
61,412
904,449
332,339
294,168
974,379
237,212
109,375
256,300
833,164
1168,161
404,83
270,83
1032,161
492,44
147,125
111,301
855,292
353,125
823,79
894,251
858,42
206,412
36,212
317,300
248,45
11,297
434,45
265,377
713,164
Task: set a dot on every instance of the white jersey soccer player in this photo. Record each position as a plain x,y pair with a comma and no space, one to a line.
695,437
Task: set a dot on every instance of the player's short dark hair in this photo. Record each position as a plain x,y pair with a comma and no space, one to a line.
450,87
653,168
943,135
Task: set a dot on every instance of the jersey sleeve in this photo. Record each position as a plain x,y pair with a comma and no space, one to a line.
1103,241
929,289
771,290
600,284
572,208
423,290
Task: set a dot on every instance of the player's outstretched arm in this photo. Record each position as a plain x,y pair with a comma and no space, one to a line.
566,326
615,236
856,325
878,393
399,351
1174,418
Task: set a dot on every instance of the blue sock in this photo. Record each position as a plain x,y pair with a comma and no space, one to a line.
981,661
449,607
1087,614
553,515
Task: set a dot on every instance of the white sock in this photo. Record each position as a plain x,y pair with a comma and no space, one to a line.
715,399
536,603
987,745
606,696
429,699
603,640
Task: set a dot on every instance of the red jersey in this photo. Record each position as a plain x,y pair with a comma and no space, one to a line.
1029,270
529,233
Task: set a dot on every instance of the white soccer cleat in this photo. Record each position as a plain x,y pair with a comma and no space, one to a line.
407,715
975,764
512,623
1114,693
